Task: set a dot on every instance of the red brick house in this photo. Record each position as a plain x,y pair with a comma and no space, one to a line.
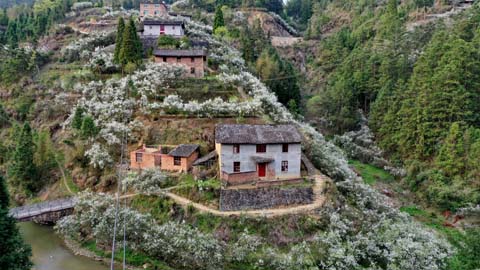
166,158
153,8
193,60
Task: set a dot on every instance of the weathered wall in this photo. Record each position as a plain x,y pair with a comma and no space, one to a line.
153,10
274,169
197,63
170,30
259,198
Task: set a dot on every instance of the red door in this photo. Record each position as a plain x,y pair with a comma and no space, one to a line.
162,29
261,169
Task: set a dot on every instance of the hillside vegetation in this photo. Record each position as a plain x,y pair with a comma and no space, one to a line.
71,99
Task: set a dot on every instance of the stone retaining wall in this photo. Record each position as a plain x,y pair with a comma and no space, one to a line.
266,197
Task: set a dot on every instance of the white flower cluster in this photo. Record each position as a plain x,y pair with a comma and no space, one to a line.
100,58
472,211
209,108
80,47
285,25
384,245
148,182
176,243
360,144
120,13
180,4
82,5
111,108
99,157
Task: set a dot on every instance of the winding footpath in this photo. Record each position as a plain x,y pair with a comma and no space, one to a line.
319,200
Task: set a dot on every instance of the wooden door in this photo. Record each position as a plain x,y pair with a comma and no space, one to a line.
262,169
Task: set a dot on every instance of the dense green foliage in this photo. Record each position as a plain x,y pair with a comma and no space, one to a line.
211,5
467,256
88,129
34,22
22,172
131,50
17,63
218,21
119,40
280,76
419,89
14,253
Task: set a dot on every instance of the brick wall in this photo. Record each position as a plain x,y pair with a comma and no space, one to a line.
239,178
261,198
186,163
151,8
148,160
198,64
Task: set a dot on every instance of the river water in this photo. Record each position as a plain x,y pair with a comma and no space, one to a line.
49,252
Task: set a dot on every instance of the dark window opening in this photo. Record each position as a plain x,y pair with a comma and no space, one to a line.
164,59
177,161
192,59
236,148
139,157
236,166
261,148
284,166
285,148
179,59
192,70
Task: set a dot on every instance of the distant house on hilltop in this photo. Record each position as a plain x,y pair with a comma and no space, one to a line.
249,153
167,158
193,60
153,8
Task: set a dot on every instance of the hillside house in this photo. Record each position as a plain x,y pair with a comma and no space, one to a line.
251,153
193,60
176,159
153,8
156,28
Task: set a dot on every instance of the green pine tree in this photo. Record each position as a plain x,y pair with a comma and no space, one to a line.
14,253
78,118
4,196
218,21
131,51
119,41
22,171
89,129
450,158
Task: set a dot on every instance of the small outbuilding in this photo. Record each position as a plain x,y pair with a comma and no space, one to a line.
193,60
178,159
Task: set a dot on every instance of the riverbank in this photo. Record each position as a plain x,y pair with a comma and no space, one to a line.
49,251
78,250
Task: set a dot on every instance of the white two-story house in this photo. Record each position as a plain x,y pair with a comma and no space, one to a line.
158,27
250,153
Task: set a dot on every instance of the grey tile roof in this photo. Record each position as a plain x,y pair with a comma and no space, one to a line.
162,22
205,158
256,134
153,2
184,150
186,53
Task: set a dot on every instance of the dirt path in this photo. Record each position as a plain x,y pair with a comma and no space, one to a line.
318,202
60,167
433,17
